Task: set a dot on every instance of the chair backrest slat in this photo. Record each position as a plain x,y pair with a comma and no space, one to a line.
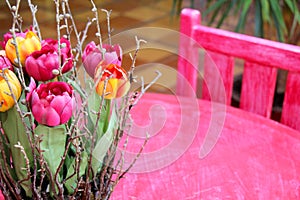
291,105
262,59
258,88
218,77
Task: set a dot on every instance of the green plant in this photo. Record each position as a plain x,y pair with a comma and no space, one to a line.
284,15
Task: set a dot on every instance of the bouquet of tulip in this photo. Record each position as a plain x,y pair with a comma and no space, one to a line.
60,135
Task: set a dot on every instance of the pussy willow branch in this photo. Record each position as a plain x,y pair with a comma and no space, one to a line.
6,176
36,27
71,130
15,13
108,13
131,79
72,20
134,57
58,18
29,132
134,160
65,16
121,125
22,150
143,90
89,167
98,34
80,41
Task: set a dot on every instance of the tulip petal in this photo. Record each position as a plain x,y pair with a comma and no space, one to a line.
52,118
67,112
46,115
58,103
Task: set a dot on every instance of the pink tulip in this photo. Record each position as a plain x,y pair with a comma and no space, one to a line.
66,53
4,61
40,64
92,57
51,103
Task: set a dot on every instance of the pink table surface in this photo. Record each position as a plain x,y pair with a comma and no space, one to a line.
203,150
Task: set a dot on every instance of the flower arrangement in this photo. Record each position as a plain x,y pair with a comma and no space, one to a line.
59,134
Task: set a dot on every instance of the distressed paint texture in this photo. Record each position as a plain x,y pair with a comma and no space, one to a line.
262,59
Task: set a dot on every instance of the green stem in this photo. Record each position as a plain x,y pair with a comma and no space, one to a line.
107,114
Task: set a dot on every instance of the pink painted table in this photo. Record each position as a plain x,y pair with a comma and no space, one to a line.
201,150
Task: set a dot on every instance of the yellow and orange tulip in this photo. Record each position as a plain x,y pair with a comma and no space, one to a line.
117,84
6,99
26,45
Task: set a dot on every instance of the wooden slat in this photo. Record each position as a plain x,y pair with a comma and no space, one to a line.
258,88
265,52
218,78
188,54
291,106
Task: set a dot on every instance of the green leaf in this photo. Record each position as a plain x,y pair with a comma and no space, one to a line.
232,3
94,102
242,20
105,142
291,5
53,144
265,10
15,132
72,182
258,28
214,6
279,20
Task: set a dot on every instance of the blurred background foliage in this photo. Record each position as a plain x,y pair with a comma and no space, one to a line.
270,17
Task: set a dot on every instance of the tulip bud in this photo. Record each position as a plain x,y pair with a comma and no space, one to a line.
40,64
51,103
6,98
65,50
117,83
26,45
92,56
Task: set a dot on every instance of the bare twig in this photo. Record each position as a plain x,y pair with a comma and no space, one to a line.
98,34
108,13
36,27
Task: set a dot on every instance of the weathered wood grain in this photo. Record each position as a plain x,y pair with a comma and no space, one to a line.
262,58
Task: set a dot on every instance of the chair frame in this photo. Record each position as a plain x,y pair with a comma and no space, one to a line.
262,58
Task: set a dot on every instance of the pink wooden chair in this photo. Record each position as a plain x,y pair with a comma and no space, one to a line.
262,58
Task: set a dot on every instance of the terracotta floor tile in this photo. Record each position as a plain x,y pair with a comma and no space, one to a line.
166,22
121,6
153,55
165,5
120,23
150,34
145,13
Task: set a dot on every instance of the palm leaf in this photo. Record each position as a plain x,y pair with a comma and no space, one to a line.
245,9
278,17
258,27
214,6
232,3
265,10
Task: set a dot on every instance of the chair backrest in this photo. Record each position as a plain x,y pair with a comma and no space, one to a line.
262,58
